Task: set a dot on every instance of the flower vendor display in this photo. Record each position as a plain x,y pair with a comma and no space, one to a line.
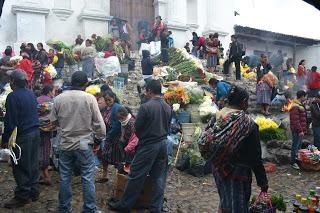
207,109
51,70
70,57
14,61
248,73
93,89
270,130
177,95
182,63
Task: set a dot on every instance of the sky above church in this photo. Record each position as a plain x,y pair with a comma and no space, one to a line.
293,17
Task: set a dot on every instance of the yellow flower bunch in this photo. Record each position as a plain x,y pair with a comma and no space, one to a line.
247,72
93,89
266,123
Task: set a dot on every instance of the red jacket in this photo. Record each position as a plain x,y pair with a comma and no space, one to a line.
298,118
314,80
26,65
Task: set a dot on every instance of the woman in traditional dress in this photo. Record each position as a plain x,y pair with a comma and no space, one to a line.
212,48
129,139
111,150
301,75
42,55
87,56
45,102
232,144
264,85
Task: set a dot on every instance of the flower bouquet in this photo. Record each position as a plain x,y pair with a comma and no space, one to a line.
178,95
51,70
14,61
93,89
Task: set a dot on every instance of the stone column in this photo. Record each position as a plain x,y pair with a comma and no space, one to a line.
31,21
160,7
177,21
95,17
62,9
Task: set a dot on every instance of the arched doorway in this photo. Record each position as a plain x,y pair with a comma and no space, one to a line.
133,11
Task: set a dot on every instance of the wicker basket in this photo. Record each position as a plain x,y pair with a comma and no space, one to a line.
310,166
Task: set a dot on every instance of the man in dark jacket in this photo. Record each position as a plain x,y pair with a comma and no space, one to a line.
147,64
152,128
21,113
298,125
235,55
315,115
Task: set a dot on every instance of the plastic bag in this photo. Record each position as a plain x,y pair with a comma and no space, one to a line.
4,155
144,46
108,66
155,48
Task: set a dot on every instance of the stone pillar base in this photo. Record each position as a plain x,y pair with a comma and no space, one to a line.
31,24
94,23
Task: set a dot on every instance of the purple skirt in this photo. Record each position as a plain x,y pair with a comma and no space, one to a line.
264,93
45,150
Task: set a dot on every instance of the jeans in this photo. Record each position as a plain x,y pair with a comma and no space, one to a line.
316,136
150,159
26,173
170,143
296,146
85,160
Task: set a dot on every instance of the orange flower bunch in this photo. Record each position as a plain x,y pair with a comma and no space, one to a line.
177,95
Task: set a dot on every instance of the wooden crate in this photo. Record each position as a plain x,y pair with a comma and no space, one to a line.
145,197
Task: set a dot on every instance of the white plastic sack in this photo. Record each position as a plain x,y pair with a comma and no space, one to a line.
4,155
108,66
144,46
155,48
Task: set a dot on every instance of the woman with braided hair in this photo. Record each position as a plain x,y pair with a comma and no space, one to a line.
232,144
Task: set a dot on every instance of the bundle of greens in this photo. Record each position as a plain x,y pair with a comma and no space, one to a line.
273,134
102,42
277,201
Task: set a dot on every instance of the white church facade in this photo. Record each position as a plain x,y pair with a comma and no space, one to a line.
41,20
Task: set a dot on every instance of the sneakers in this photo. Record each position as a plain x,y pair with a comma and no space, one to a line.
14,203
295,166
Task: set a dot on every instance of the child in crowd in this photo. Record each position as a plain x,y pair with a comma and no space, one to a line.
50,56
187,47
58,62
128,139
45,103
298,125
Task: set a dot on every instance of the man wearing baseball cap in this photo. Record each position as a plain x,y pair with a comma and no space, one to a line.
21,113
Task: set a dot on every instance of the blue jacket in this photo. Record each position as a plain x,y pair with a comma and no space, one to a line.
223,90
21,112
115,123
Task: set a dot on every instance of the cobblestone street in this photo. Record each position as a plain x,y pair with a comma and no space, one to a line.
184,192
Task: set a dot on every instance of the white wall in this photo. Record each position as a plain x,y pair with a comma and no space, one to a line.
252,45
311,54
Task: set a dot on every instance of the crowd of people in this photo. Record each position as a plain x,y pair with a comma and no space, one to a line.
91,127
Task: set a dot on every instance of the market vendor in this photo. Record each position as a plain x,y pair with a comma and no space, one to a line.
222,90
147,64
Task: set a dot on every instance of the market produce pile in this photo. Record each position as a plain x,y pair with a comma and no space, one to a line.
270,130
182,63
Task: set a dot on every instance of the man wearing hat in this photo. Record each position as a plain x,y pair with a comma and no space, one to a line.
315,115
77,114
21,113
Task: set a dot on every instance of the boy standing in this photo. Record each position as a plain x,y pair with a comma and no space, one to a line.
298,125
